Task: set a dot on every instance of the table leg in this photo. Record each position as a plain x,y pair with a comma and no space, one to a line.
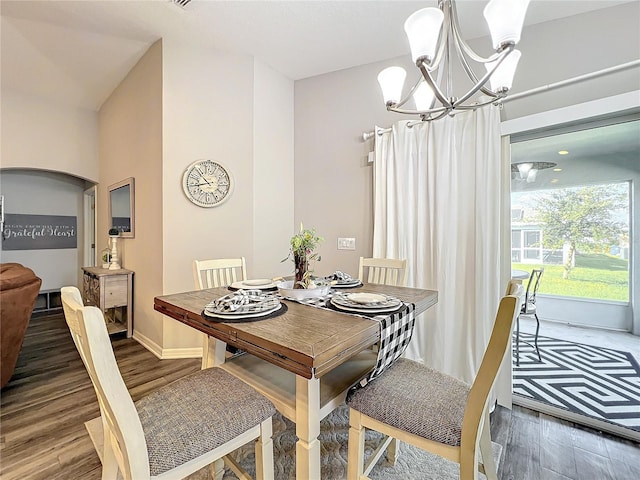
213,352
307,428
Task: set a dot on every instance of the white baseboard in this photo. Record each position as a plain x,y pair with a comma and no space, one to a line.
166,353
182,353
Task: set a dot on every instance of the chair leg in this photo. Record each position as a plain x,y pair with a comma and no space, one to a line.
392,451
355,457
518,341
536,337
264,452
487,451
109,463
216,469
468,466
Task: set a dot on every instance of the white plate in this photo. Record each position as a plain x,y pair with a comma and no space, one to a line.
366,298
258,282
344,301
244,315
366,310
350,283
243,285
286,290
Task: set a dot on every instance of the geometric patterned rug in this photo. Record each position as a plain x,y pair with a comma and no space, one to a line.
597,382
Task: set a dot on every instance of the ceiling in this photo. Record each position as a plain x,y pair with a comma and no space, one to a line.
77,52
594,152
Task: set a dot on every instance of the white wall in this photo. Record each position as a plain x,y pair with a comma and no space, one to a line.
36,192
332,179
43,135
39,138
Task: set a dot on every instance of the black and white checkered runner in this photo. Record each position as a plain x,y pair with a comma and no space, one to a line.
396,330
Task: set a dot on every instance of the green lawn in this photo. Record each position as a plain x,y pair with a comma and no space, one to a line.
595,276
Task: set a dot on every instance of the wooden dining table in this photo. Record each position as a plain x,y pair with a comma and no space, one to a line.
304,360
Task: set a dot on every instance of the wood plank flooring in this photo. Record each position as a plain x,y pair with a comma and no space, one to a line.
47,401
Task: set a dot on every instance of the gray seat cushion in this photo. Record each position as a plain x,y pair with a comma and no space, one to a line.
196,414
416,399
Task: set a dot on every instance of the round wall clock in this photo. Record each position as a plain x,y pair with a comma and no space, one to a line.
207,183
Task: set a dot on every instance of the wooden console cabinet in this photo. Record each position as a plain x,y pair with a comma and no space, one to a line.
112,292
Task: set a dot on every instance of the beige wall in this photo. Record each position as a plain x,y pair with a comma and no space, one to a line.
131,146
43,135
332,180
272,172
239,113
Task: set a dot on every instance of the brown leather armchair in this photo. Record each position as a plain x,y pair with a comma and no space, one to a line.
19,288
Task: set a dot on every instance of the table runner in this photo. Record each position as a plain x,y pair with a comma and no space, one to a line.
396,330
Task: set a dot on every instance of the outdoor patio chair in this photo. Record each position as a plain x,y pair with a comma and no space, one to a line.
529,308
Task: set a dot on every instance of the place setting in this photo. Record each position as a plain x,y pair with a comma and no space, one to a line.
366,303
244,306
264,284
343,280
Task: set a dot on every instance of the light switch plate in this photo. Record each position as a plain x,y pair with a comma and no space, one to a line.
346,243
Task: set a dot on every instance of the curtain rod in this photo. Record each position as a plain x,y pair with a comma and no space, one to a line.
580,78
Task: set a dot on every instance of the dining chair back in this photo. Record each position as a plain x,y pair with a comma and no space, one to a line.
383,271
175,430
529,308
431,410
219,272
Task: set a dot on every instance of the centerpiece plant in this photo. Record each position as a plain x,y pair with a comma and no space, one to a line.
302,249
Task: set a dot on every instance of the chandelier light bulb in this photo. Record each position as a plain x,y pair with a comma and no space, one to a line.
391,81
524,168
502,78
505,19
423,29
435,40
531,176
423,96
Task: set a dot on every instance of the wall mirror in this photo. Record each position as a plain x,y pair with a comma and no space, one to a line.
121,207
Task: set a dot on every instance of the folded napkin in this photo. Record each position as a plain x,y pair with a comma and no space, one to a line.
244,301
340,276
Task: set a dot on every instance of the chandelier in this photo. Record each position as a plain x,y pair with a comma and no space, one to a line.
529,170
434,37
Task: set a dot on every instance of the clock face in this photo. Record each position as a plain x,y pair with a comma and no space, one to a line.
207,183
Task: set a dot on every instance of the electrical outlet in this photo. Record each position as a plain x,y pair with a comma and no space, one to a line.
346,243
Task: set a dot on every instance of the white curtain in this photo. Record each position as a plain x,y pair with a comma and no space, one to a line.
437,203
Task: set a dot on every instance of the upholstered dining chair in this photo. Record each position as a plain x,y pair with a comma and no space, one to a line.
529,308
219,272
430,410
177,429
384,271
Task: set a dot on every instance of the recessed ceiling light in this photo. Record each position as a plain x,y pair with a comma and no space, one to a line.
563,152
555,180
557,169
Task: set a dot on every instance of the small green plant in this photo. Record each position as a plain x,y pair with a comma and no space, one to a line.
301,252
113,231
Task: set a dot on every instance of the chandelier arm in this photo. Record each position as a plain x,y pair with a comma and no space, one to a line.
434,86
471,74
393,108
437,117
446,26
455,25
480,104
409,95
482,81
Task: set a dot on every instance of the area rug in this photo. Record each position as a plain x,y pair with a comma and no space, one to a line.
411,464
594,381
